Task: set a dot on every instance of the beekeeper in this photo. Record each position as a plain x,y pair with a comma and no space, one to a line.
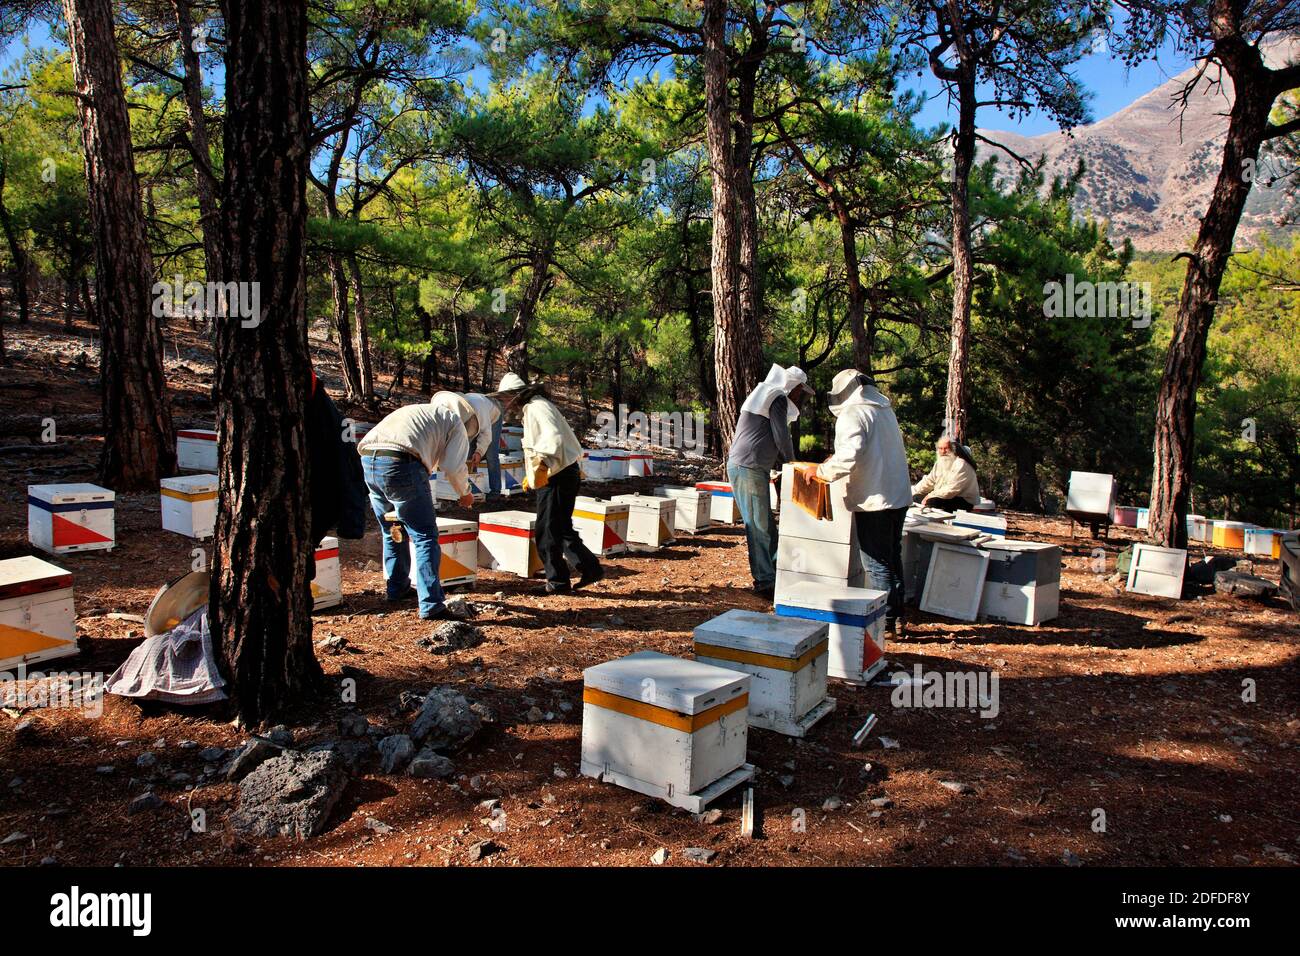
397,457
551,456
486,408
869,450
478,414
952,483
761,445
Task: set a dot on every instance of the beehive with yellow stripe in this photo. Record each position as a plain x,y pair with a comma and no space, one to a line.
601,524
37,618
786,657
189,505
670,728
650,521
457,548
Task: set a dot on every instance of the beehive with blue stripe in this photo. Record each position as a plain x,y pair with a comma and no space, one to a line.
855,621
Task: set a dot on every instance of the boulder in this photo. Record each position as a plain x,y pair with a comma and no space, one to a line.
428,765
395,753
451,636
1243,585
446,720
290,795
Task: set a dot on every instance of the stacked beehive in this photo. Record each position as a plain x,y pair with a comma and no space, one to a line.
824,551
722,502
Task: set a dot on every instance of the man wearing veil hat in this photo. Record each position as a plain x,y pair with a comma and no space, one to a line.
869,450
761,445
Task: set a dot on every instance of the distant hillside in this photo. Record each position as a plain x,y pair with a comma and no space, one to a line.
1151,167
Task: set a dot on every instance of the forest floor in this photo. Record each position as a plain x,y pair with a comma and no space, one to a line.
1126,704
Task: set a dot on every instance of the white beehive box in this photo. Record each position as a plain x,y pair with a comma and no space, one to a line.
37,616
595,464
785,656
980,521
617,465
1264,542
666,727
692,508
72,517
601,524
196,450
457,546
189,505
507,542
954,583
855,621
722,502
650,521
919,539
327,586
444,491
512,474
1023,584
788,579
1091,496
512,438
1199,528
640,464
811,556
798,523
1157,571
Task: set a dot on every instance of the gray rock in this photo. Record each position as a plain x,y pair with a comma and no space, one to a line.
379,826
460,608
15,837
146,760
660,856
106,769
354,751
832,803
212,754
1070,859
395,752
699,854
881,803
445,721
353,725
146,801
290,795
451,636
332,645
481,849
188,745
280,735
1243,585
428,765
708,816
252,755
956,786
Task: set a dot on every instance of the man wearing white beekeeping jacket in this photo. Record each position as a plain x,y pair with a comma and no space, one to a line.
869,450
478,414
761,445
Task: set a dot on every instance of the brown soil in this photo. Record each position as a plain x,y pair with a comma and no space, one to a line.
1125,703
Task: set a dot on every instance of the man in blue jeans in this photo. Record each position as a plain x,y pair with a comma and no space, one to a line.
761,445
397,457
869,450
494,457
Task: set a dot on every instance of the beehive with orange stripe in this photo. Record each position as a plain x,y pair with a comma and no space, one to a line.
189,505
507,541
72,517
666,727
37,616
601,524
650,521
786,658
457,548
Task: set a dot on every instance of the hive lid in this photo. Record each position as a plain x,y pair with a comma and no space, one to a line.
762,633
599,506
327,543
198,434
834,598
507,460
74,492
944,532
679,491
507,519
455,526
191,484
31,575
645,501
685,686
713,485
1005,544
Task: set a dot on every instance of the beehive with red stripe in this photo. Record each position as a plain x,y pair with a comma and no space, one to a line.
507,542
640,464
37,615
196,449
722,502
73,517
327,586
650,521
855,621
601,524
666,727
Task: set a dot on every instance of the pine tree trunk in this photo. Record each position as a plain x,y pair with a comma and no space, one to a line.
16,252
205,185
515,350
363,332
261,594
1171,479
963,156
138,438
343,327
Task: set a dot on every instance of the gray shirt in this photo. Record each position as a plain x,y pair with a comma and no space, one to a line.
763,443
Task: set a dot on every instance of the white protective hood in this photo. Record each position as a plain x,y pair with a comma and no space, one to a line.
780,382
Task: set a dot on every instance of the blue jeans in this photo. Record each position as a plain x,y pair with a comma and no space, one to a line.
494,460
880,537
752,489
402,485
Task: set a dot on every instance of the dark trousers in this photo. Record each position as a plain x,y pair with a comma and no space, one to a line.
557,539
951,504
880,536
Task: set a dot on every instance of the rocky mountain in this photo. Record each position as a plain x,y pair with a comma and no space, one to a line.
1151,167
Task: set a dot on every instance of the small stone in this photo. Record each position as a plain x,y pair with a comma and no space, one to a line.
699,854
560,773
106,769
427,765
280,735
660,856
212,754
534,715
188,745
881,803
889,743
146,801
1070,859
15,837
379,826
353,725
956,786
146,760
832,803
786,780
481,849
708,816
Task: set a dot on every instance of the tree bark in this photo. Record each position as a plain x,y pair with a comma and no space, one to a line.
515,350
737,351
138,438
260,589
963,156
18,254
205,184
363,331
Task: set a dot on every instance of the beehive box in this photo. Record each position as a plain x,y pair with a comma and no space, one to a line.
855,621
798,523
189,505
954,582
924,513
786,658
1023,583
810,556
1157,571
640,464
1125,516
692,508
983,523
1230,535
479,482
918,545
601,524
595,464
722,502
457,546
37,615
788,579
512,474
1143,519
507,542
650,521
196,450
327,586
1198,528
616,467
1265,542
1091,496
72,517
512,438
444,491
669,728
